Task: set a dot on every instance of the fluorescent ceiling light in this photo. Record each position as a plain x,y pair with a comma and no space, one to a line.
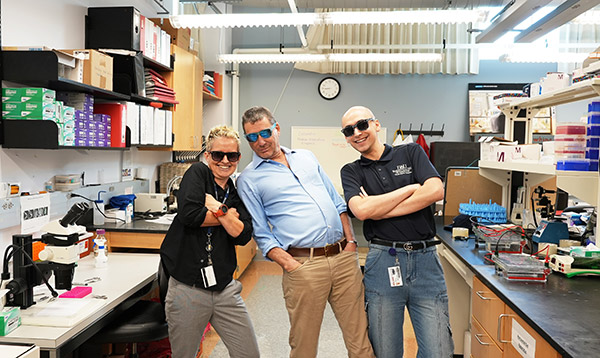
564,13
327,18
334,57
544,57
512,15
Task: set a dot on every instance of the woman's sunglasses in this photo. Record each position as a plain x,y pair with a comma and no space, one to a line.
265,133
217,156
362,125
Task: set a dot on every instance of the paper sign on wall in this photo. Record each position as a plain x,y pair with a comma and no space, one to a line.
523,342
35,212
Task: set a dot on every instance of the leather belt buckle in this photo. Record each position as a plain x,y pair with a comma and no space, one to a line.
408,246
328,250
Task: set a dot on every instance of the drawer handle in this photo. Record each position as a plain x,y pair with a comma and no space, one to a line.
479,340
478,293
500,328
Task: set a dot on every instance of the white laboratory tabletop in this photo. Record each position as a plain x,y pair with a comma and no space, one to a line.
19,351
124,275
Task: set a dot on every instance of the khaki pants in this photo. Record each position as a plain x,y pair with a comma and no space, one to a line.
337,280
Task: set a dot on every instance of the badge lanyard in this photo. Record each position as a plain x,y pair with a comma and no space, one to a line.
394,272
209,246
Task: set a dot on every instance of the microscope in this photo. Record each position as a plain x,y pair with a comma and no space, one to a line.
60,257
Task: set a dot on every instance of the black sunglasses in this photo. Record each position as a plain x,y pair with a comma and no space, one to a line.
217,156
362,125
265,133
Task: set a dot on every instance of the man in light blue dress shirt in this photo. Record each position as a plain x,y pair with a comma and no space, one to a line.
301,223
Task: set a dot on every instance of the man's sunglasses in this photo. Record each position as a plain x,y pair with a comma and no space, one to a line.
362,125
265,133
217,156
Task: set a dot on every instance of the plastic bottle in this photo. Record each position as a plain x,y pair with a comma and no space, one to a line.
101,259
100,241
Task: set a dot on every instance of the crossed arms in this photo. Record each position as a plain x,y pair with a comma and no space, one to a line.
399,202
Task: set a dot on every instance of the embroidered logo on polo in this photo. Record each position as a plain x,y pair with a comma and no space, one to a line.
402,170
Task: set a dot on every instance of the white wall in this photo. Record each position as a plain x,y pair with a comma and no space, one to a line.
60,24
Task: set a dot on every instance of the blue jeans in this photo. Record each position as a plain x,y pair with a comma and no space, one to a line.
423,293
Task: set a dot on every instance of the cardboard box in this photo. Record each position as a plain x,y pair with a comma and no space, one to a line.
11,319
97,68
179,37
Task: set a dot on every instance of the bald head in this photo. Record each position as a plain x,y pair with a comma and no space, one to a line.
355,113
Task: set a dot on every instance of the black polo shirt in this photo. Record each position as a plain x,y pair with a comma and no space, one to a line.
183,251
398,166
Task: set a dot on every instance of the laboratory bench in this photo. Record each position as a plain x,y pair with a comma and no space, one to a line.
562,313
146,235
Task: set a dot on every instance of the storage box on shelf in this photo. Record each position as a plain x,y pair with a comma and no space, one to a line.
41,69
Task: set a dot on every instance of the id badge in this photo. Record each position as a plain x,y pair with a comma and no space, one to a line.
208,276
395,276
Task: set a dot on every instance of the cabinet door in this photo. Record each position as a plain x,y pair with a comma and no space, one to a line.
543,349
482,346
184,82
487,308
198,102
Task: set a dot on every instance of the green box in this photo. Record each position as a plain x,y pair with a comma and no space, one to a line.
10,319
36,94
28,110
11,95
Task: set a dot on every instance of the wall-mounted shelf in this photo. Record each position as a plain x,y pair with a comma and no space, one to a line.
577,92
40,69
529,167
36,134
210,96
148,101
148,62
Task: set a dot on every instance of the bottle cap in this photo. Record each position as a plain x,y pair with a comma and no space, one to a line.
100,232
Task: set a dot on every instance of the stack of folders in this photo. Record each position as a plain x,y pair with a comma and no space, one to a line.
209,84
156,87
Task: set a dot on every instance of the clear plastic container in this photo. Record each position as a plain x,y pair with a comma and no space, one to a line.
569,143
570,154
571,128
573,164
520,267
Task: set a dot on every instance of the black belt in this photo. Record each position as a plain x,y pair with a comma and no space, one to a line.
407,245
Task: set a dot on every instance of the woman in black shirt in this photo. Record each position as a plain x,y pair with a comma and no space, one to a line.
199,254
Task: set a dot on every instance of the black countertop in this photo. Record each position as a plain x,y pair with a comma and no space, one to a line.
137,225
564,311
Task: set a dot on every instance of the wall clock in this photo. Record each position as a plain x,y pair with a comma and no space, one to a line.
329,88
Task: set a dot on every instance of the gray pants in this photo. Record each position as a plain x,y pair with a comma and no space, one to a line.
189,309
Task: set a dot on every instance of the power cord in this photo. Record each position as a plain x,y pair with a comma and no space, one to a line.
97,207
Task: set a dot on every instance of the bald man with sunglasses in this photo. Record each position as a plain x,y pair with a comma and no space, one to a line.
301,223
390,189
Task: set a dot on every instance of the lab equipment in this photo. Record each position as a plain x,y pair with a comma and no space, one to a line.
153,203
101,259
572,266
59,257
518,267
492,211
551,231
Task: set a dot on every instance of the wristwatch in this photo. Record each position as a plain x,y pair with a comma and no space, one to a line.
222,211
352,242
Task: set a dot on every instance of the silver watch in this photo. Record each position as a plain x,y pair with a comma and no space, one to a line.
352,242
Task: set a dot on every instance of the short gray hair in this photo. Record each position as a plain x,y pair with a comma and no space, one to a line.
257,113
